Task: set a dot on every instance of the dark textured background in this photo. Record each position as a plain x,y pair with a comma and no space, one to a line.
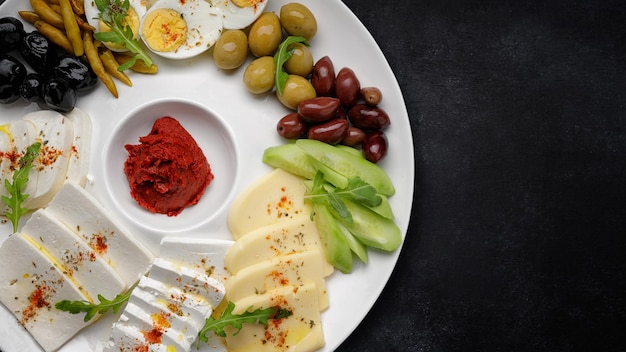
517,240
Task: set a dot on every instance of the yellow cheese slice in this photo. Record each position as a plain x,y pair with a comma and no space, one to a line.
289,270
301,331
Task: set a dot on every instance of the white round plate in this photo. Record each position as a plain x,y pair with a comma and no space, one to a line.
252,119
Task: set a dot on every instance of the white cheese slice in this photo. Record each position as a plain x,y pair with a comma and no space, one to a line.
5,162
84,215
295,269
30,285
301,331
204,255
297,235
80,152
274,198
127,338
188,280
21,135
56,134
75,258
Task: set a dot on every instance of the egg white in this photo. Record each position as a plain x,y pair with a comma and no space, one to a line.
236,17
204,26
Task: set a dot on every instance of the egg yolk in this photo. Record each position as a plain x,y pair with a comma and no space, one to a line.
131,19
164,30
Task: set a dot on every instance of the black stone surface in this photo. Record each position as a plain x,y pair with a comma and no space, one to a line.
517,238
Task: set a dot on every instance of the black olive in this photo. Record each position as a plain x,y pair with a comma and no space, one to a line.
10,35
31,88
12,73
76,72
38,52
58,95
13,20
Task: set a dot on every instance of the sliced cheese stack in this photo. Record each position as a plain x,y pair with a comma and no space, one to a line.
169,306
64,154
277,261
49,261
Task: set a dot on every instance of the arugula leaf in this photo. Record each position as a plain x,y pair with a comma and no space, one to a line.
258,316
361,192
20,179
281,56
76,307
113,14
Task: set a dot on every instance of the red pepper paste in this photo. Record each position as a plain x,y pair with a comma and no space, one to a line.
167,171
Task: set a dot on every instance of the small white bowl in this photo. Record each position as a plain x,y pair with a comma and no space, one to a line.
214,137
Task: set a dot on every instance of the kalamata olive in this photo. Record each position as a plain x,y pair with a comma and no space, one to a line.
10,35
76,73
374,146
31,89
323,77
347,87
38,52
318,109
291,126
12,73
58,95
354,136
372,95
368,117
331,132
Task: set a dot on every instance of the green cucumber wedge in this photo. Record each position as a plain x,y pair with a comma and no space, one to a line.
357,246
384,208
336,246
290,158
348,164
371,228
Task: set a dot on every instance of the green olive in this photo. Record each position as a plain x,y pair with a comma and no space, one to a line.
259,75
296,90
231,49
265,35
301,61
298,20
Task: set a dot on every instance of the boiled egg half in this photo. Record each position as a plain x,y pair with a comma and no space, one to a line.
177,29
238,14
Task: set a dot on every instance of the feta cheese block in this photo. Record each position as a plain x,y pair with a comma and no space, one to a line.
295,269
30,285
72,255
21,134
84,215
274,198
201,254
166,310
296,235
301,331
78,167
56,134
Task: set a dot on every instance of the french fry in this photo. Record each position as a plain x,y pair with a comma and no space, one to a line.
111,65
29,16
78,6
139,65
96,63
84,25
71,27
54,34
47,14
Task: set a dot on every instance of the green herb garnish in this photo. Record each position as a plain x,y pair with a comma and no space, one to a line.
20,179
76,307
357,191
258,316
281,56
113,13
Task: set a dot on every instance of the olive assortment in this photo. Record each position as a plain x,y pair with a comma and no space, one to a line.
342,112
57,76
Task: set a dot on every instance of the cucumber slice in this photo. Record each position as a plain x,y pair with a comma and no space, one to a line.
331,176
290,158
357,246
384,209
336,247
349,165
371,228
